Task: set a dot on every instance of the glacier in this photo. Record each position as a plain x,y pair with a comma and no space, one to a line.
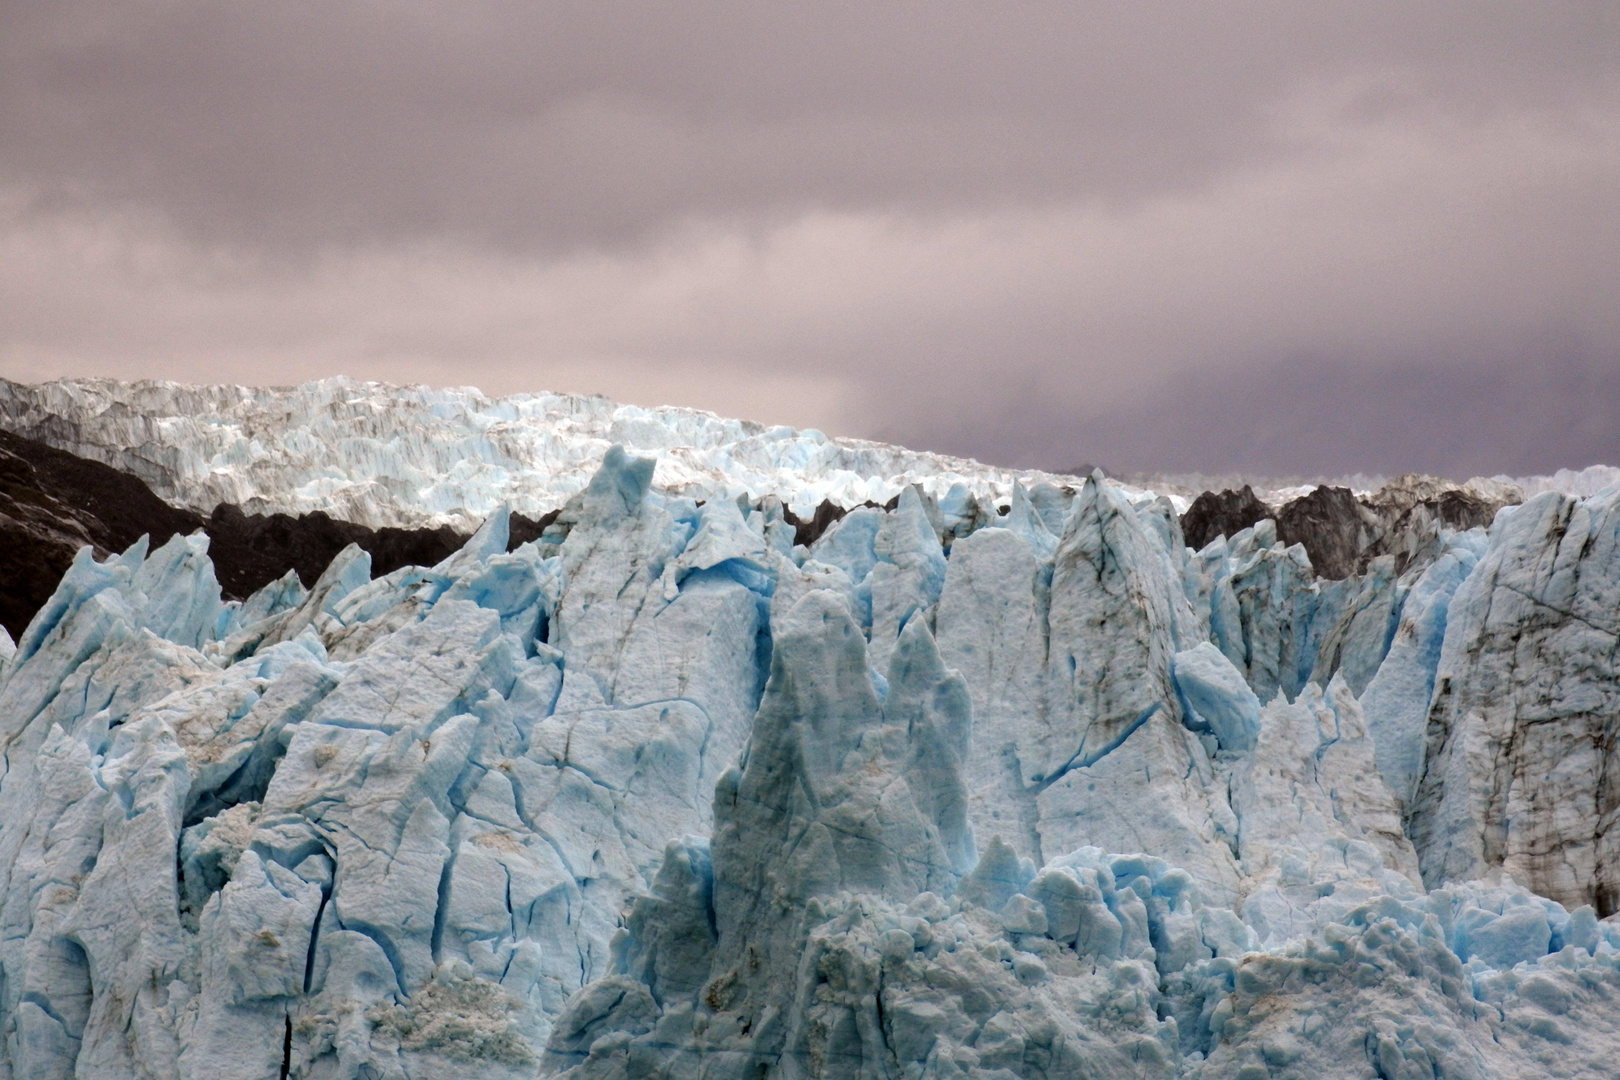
663,793
385,456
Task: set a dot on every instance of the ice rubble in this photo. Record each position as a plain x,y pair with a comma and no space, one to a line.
663,795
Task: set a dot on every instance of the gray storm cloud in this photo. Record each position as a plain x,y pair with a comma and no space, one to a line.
1276,237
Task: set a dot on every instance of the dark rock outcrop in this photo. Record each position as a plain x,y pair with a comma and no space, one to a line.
1225,514
252,550
807,532
1461,510
1334,527
1341,533
52,503
1456,509
525,529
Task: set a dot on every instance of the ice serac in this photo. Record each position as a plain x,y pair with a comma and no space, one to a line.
1318,832
837,943
105,762
789,952
1521,773
371,849
1111,625
908,574
836,793
1116,766
992,627
1067,646
1215,698
1396,700
821,801
660,621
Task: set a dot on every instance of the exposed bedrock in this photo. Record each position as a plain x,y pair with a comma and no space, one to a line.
1342,533
53,503
1332,526
250,551
1225,513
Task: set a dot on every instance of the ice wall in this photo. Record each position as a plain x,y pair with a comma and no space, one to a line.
662,794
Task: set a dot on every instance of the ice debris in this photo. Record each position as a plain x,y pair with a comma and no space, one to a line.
665,794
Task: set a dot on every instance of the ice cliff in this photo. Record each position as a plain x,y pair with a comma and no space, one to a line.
663,794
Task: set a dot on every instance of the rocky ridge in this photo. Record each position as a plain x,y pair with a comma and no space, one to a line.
1341,532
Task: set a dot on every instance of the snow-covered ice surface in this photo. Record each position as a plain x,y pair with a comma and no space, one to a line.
411,455
405,456
1042,795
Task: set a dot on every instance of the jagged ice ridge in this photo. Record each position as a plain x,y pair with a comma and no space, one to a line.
661,794
408,456
384,455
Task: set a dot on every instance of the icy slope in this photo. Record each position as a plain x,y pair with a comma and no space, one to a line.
661,794
405,456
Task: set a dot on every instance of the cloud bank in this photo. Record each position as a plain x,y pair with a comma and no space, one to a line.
1248,236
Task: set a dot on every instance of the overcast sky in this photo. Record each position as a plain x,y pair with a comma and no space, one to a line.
1279,237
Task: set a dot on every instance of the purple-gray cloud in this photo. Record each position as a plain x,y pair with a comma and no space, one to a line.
1021,231
1310,417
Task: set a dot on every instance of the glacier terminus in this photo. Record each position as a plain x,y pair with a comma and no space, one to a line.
995,777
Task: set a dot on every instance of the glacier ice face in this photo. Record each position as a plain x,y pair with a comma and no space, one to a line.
1396,699
1042,794
1521,775
1215,698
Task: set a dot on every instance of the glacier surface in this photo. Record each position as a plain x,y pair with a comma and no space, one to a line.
410,456
381,455
661,794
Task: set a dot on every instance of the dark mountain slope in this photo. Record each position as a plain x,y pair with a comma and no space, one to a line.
52,503
252,550
1224,514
